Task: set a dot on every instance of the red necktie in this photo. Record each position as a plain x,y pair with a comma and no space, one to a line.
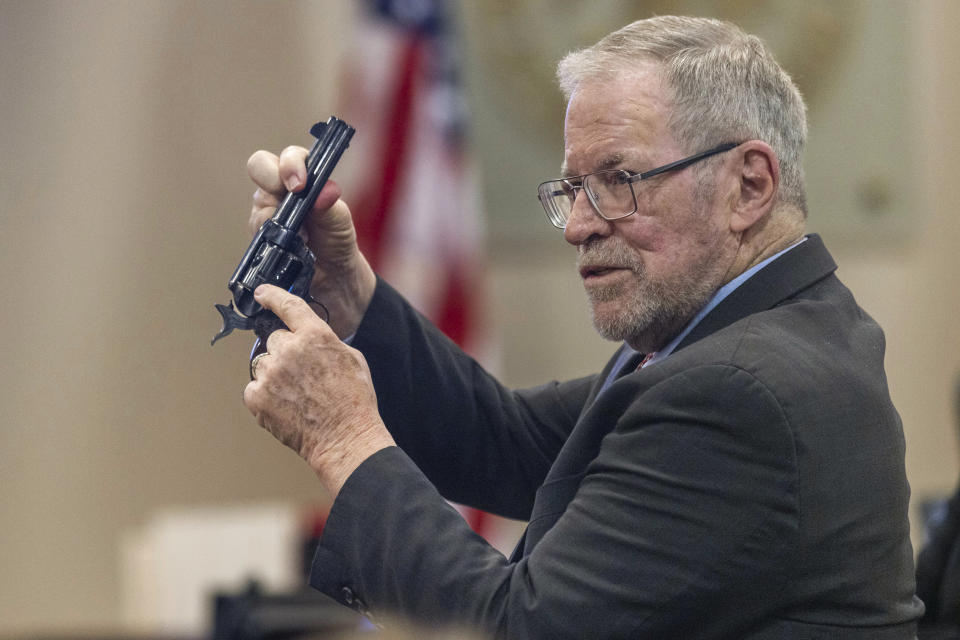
646,359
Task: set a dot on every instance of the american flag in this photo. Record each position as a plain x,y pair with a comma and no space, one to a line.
412,191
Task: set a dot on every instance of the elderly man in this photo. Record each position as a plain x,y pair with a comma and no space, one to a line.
737,470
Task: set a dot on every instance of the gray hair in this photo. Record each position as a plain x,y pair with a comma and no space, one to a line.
726,87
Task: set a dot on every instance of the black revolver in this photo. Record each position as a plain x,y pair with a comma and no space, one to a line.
277,255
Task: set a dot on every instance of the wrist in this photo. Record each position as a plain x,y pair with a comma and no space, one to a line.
335,464
362,293
347,299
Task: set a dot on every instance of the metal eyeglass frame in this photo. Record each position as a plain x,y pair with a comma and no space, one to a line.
546,197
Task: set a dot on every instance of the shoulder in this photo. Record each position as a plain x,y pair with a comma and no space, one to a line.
803,344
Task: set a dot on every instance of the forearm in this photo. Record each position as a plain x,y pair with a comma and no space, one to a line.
335,463
466,431
387,520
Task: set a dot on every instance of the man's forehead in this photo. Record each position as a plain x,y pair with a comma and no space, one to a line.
640,84
619,119
609,144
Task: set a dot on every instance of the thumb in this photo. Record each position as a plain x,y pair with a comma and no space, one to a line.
327,199
331,231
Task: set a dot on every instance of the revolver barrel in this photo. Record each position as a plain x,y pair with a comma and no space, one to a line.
277,254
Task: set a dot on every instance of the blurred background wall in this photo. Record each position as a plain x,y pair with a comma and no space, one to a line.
124,131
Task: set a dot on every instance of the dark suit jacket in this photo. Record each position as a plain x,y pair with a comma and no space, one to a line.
750,485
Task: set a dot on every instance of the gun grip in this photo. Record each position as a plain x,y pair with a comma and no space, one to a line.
265,323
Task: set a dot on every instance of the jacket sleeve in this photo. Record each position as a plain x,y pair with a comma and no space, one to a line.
480,443
682,526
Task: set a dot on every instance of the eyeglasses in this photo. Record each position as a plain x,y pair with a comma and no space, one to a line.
610,192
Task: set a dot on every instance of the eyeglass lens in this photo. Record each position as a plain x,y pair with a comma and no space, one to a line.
609,191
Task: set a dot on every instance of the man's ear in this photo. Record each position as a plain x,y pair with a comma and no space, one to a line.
759,181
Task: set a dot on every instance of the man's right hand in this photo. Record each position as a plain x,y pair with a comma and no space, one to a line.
343,280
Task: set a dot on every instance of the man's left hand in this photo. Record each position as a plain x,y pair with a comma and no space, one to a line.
314,393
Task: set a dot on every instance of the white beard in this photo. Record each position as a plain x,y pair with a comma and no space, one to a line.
650,312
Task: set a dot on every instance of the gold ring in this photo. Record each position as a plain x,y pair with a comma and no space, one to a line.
254,362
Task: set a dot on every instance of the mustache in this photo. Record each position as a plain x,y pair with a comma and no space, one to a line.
608,252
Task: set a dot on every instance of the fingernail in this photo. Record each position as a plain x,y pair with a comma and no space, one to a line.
259,291
293,183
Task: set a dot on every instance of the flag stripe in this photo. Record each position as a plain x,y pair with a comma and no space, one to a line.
418,214
372,226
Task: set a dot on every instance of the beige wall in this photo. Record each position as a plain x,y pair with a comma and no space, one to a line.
126,127
125,130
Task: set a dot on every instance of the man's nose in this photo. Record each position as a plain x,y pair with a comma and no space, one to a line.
584,221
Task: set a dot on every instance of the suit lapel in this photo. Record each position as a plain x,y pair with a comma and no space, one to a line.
598,385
